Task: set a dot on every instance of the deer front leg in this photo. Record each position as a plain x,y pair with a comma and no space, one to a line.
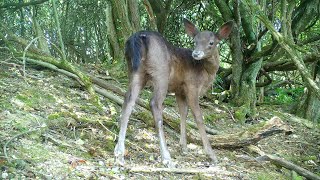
183,110
193,101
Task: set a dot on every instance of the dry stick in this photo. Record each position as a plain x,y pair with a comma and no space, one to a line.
230,113
284,163
146,169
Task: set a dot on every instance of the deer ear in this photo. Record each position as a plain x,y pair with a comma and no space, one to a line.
225,30
191,29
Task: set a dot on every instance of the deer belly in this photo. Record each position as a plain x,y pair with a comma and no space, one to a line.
175,82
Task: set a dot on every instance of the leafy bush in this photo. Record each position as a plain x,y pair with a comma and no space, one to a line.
285,96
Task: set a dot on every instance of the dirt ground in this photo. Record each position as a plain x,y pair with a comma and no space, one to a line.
50,130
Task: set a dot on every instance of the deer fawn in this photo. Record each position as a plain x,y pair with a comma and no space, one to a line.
187,73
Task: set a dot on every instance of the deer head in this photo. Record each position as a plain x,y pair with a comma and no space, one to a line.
206,41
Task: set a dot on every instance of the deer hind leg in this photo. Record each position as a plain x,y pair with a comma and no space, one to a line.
134,88
193,101
183,110
159,93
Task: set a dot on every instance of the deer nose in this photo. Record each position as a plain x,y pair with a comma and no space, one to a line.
197,54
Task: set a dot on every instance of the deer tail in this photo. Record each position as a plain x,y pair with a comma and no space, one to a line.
134,49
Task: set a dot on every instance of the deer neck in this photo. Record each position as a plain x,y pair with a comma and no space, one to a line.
211,64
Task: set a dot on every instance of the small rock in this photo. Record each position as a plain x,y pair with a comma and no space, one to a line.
192,146
225,159
4,175
101,163
295,136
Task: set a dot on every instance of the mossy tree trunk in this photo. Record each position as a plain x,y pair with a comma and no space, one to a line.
119,26
42,43
309,104
243,82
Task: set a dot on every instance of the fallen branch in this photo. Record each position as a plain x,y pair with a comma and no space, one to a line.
212,170
249,136
284,163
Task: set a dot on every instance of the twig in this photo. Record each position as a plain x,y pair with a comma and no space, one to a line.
229,113
10,64
16,136
24,55
213,170
138,147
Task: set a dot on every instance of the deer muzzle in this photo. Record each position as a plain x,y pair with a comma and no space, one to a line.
198,55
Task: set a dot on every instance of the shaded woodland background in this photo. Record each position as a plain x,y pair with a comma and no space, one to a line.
270,59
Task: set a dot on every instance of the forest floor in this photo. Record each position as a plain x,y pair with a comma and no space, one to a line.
50,130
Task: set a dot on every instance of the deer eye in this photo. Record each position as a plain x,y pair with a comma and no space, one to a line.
211,43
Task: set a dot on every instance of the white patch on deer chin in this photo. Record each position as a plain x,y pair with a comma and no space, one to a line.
198,55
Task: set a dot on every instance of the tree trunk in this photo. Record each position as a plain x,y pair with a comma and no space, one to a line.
56,18
121,21
161,9
152,18
119,27
246,98
22,22
134,15
243,82
42,43
112,36
309,105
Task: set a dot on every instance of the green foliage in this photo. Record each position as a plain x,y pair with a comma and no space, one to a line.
170,101
285,96
242,112
264,176
116,69
295,176
35,98
212,117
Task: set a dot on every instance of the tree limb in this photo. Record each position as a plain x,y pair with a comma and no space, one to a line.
151,15
247,137
291,50
284,163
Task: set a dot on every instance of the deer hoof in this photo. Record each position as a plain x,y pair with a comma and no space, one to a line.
118,157
214,160
184,150
169,164
119,160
